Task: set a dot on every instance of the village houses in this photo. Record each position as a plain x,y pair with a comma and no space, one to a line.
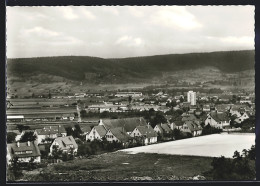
25,152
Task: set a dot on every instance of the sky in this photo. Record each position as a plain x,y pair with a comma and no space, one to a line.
127,31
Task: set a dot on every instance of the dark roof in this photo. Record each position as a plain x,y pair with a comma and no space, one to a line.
219,116
178,123
101,130
128,123
193,126
147,131
165,127
64,142
85,128
23,147
189,117
51,130
120,134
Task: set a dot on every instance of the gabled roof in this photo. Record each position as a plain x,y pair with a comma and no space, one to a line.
65,142
165,127
47,130
120,134
101,130
189,117
222,107
178,123
85,128
23,147
193,126
128,123
219,116
147,131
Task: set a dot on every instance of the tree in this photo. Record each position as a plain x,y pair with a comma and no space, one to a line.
14,170
22,127
69,131
177,134
130,99
238,168
28,136
11,137
159,118
56,152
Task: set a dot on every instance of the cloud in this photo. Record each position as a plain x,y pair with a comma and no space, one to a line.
42,35
175,17
68,13
136,11
40,32
111,10
129,41
238,41
87,14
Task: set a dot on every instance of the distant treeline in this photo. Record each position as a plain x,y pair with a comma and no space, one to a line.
124,70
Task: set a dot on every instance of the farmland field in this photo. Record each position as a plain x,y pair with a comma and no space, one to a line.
211,146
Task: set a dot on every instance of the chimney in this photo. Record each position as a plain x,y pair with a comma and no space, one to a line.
28,143
161,124
18,144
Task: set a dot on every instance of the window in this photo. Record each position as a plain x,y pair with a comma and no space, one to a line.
28,152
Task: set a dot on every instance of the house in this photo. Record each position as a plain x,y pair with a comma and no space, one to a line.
221,108
25,152
70,117
50,132
189,117
65,144
146,133
243,117
192,127
178,124
172,125
198,112
129,124
163,129
217,120
97,132
118,134
85,129
20,134
206,108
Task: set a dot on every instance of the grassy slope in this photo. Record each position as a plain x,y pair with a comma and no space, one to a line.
110,167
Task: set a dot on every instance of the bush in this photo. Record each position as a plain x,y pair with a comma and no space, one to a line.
210,130
11,137
239,168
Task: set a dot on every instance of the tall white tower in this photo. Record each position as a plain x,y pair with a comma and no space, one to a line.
191,97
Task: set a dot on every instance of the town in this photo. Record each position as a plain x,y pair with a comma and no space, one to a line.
56,128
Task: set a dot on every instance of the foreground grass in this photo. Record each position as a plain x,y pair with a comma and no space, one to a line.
119,166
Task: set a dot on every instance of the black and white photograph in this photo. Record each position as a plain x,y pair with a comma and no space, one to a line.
130,93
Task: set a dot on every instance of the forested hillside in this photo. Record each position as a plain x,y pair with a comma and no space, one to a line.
82,68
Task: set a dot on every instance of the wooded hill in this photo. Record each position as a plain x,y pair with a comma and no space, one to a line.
84,68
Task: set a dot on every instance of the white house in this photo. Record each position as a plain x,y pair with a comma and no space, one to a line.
217,120
65,144
97,132
146,133
192,127
118,135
